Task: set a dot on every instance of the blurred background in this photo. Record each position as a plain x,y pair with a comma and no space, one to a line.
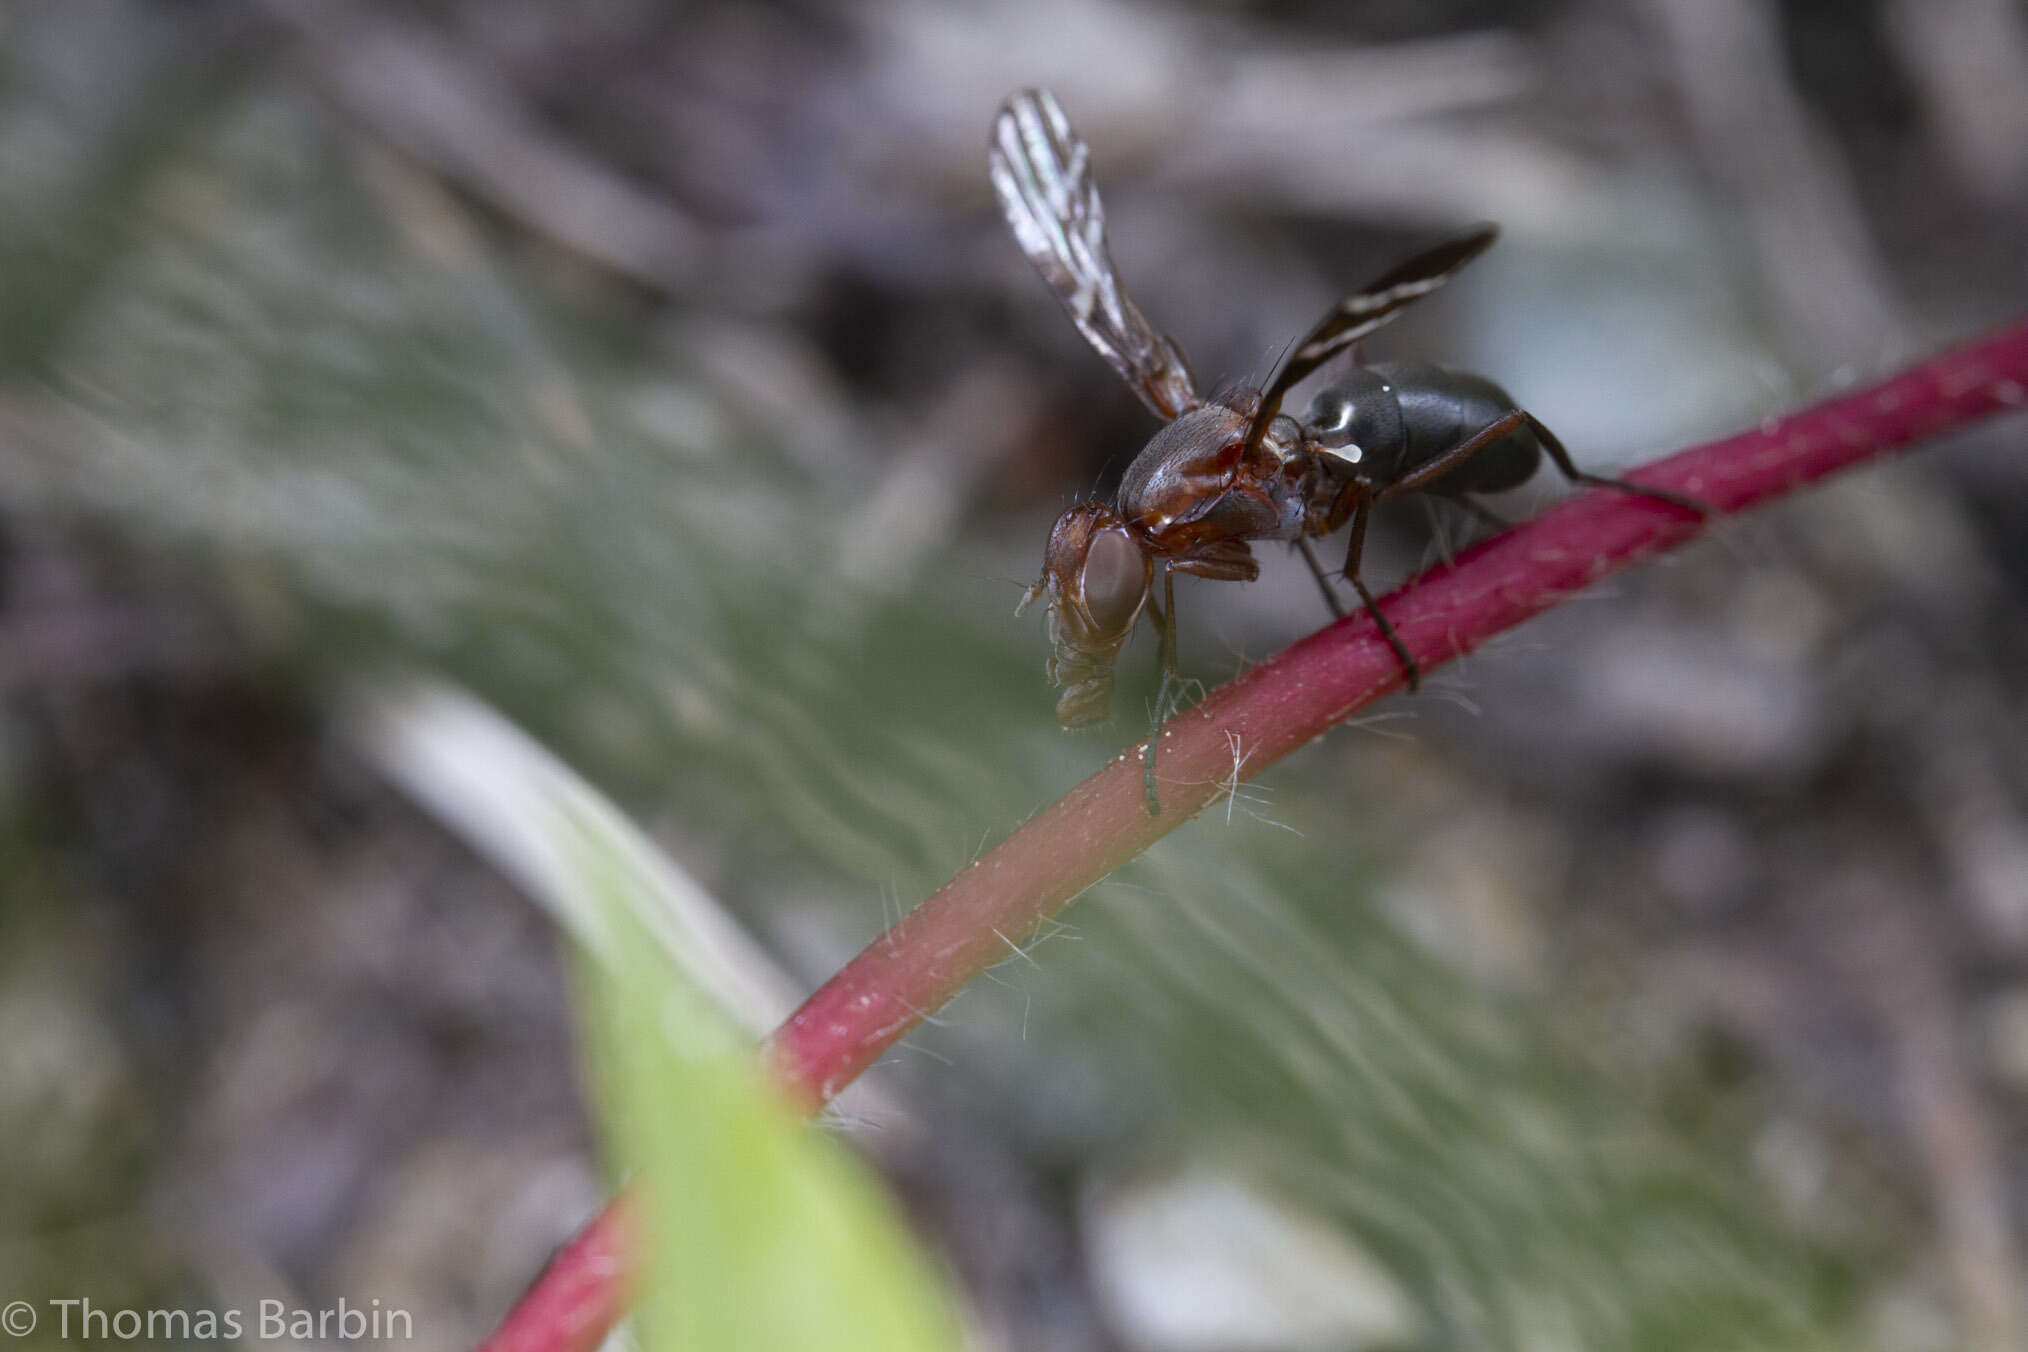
662,378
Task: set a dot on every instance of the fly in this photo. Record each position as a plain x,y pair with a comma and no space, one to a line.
1227,471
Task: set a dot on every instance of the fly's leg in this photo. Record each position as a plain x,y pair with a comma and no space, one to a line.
1436,532
1460,455
1165,628
1570,471
1421,477
1317,571
1483,514
1456,458
1353,549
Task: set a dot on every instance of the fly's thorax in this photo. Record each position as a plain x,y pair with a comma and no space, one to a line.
1183,468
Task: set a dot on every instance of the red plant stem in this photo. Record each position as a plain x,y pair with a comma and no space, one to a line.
973,921
583,1292
976,919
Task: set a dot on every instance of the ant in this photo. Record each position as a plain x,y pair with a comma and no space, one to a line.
1233,469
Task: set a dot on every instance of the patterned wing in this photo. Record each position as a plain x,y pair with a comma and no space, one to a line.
1382,299
1360,313
1042,173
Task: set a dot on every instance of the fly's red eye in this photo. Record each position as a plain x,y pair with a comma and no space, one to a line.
1114,580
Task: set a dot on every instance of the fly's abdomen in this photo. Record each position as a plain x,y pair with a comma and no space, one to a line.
1441,407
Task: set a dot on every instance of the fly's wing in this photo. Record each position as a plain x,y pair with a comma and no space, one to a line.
1360,313
1042,173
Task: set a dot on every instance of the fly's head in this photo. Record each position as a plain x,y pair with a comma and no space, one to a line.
1097,577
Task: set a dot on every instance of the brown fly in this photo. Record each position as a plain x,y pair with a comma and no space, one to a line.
1233,469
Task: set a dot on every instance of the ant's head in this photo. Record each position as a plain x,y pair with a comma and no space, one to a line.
1097,576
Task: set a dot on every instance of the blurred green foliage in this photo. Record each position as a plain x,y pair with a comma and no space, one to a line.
763,1233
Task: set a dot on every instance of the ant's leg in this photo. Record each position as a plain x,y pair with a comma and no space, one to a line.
1563,462
1165,630
1317,571
1352,552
